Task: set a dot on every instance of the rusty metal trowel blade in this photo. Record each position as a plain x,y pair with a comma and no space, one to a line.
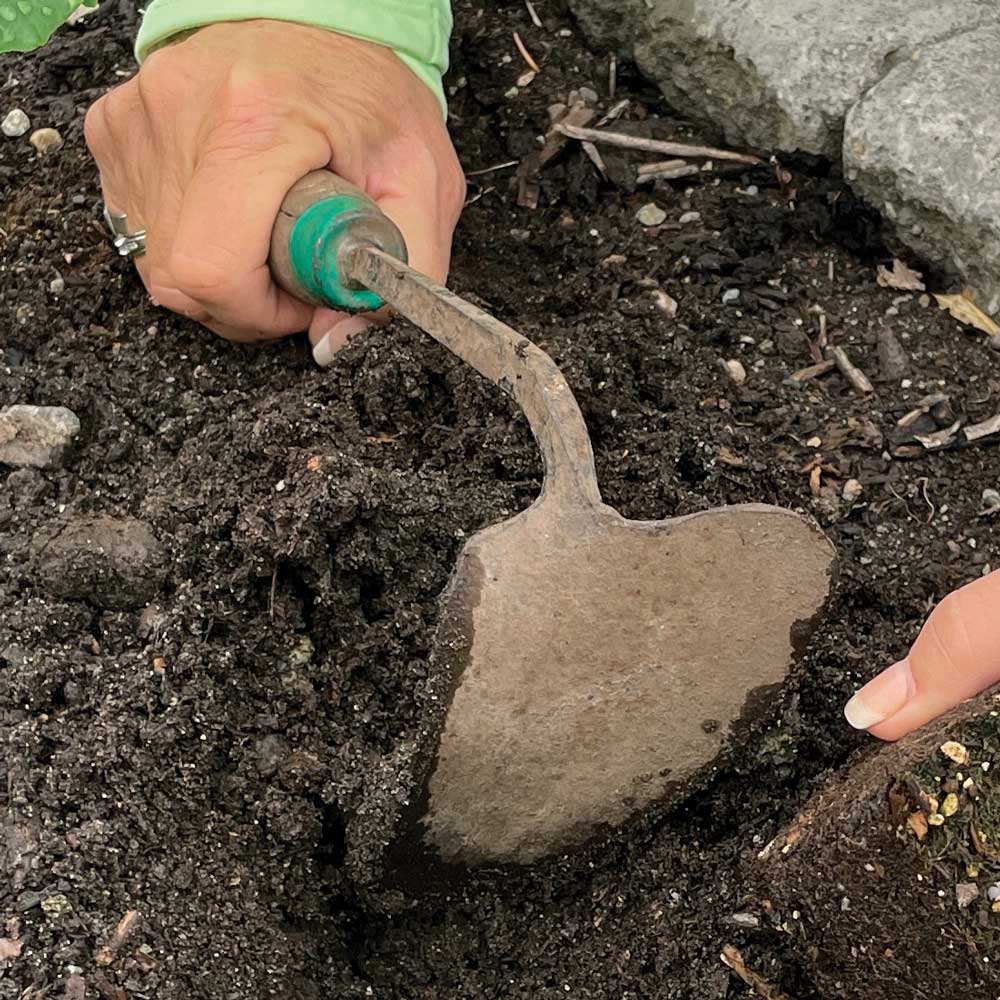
597,664
600,664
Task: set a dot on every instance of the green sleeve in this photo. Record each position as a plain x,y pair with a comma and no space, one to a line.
417,30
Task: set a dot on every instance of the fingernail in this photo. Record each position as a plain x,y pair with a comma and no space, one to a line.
326,349
881,698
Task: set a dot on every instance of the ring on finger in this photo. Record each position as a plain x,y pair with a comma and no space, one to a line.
128,244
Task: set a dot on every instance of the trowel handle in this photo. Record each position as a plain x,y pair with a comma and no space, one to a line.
321,221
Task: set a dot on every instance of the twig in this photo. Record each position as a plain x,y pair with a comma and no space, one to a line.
923,481
531,165
525,54
614,113
127,926
939,439
655,145
731,957
813,371
976,431
533,14
850,371
493,169
595,157
612,77
666,170
274,587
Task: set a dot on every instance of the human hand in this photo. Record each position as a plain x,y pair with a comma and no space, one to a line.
202,145
956,655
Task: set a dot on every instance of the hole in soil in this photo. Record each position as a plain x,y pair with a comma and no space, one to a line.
332,847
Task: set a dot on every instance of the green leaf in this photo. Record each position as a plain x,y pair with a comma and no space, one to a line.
27,24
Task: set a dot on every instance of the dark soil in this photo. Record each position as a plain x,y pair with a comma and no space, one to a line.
206,758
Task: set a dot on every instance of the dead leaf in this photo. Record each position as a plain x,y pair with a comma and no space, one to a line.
902,277
917,822
729,457
10,948
966,311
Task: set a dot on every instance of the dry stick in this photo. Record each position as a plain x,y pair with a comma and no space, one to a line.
595,157
976,431
533,14
614,113
493,169
526,55
655,145
126,928
850,371
731,957
813,371
668,170
612,76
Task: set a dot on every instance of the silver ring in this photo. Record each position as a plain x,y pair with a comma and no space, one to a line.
127,244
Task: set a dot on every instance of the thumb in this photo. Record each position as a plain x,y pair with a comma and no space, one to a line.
956,655
427,226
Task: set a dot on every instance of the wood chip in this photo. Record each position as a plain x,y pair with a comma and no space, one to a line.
10,948
985,429
850,371
624,141
732,957
668,170
939,439
923,407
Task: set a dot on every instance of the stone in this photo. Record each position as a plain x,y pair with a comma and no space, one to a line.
893,361
110,562
905,94
735,370
651,215
776,74
730,296
688,217
852,490
38,437
966,893
15,124
921,148
46,141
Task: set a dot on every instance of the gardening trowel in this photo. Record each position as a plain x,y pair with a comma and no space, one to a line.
597,664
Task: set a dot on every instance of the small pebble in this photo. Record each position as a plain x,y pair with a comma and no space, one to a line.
651,215
15,124
955,751
57,286
38,437
751,191
950,805
689,217
745,920
991,500
852,490
965,893
814,442
46,141
730,295
735,370
995,341
993,892
588,94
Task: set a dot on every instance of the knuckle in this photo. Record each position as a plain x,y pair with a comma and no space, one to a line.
95,128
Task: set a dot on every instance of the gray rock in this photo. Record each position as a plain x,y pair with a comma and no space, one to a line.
15,124
110,562
776,74
922,147
893,361
36,436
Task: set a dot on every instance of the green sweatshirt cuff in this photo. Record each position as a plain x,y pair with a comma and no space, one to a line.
416,30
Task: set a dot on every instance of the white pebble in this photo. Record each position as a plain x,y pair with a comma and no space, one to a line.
852,490
651,215
689,217
57,286
730,295
735,370
15,124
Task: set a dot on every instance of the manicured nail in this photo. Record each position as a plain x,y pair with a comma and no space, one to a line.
326,349
881,698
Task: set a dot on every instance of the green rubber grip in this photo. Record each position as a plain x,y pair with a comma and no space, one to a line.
323,221
314,249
